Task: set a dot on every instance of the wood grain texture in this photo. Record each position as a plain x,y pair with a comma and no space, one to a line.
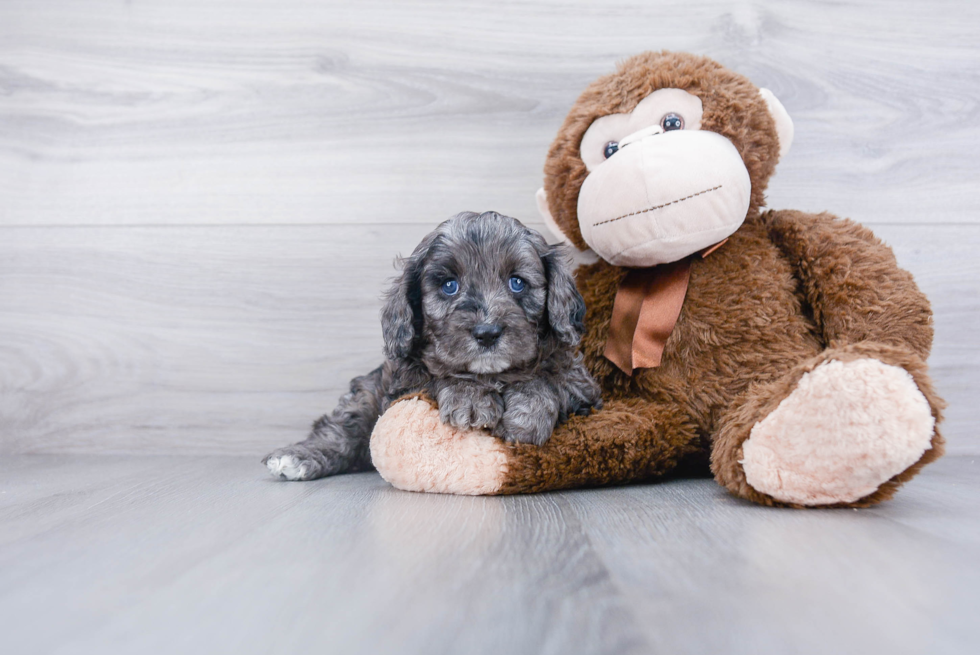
233,339
247,111
201,200
202,339
210,555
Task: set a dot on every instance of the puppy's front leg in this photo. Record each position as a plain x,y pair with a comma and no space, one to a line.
531,411
465,404
339,441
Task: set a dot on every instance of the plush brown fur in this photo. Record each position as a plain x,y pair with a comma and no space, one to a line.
787,292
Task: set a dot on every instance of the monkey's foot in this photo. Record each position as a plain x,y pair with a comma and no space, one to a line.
847,428
627,441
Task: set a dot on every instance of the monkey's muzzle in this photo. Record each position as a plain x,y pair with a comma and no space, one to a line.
664,196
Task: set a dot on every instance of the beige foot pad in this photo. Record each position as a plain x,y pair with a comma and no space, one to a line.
415,451
846,429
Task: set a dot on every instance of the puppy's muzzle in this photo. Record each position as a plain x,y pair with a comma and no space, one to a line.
486,334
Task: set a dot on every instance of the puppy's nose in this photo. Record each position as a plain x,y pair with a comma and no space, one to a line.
486,335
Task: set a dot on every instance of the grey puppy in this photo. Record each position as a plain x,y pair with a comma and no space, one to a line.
484,318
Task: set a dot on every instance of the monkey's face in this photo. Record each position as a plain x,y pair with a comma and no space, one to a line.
664,179
659,188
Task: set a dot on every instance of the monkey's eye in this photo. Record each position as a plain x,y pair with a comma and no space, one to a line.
516,284
611,148
672,122
450,287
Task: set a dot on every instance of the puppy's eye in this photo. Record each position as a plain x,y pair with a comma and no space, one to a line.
450,287
516,284
610,149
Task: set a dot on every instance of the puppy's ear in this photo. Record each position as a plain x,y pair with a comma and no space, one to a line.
401,316
566,309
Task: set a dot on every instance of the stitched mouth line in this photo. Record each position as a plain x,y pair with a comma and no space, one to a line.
650,209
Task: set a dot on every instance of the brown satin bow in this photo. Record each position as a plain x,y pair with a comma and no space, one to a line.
646,308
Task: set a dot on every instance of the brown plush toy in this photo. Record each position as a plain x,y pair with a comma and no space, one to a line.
785,349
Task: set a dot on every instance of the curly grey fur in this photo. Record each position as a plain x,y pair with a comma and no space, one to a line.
519,387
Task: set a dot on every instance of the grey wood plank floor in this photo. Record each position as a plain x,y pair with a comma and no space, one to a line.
135,554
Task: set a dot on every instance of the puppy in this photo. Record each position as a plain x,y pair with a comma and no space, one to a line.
484,319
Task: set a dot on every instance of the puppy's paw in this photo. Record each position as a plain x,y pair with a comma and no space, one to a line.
530,415
522,431
293,463
467,406
287,467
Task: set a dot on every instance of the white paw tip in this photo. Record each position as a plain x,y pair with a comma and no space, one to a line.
286,467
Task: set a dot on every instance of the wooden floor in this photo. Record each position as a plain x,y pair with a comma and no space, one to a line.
132,554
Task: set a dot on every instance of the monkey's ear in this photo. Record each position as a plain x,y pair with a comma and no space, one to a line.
401,316
784,124
578,257
566,308
549,220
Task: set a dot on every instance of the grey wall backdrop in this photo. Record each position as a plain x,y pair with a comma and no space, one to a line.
200,200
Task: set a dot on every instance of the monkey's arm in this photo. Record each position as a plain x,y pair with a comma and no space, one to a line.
852,283
629,440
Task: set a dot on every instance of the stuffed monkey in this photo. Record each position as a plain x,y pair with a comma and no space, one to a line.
785,350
